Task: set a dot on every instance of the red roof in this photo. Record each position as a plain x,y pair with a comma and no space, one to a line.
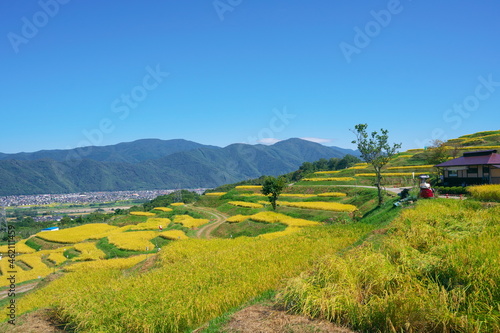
487,157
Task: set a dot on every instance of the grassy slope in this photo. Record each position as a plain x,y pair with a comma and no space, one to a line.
431,270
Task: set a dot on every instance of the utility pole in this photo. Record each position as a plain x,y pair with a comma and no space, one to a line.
178,193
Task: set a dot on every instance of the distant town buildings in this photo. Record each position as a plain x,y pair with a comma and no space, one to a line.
83,197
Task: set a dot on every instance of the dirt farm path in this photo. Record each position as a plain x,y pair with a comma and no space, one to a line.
205,231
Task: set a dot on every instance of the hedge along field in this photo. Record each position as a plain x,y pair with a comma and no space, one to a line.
193,282
436,270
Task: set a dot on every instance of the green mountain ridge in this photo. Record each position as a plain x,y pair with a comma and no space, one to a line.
201,167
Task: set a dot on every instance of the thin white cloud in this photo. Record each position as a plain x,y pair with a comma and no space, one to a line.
317,140
268,141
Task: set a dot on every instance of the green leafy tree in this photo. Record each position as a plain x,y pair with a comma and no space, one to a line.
273,187
375,150
437,153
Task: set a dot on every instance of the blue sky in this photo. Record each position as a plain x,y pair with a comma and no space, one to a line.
77,72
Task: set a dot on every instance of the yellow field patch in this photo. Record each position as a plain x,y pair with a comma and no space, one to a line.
121,263
153,223
248,187
329,179
215,194
245,204
286,232
174,234
273,217
189,221
76,234
331,206
19,247
57,258
142,214
89,251
164,209
134,240
485,192
238,218
387,174
326,172
37,268
416,167
297,195
332,194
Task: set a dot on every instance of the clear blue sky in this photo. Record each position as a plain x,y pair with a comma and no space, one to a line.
74,72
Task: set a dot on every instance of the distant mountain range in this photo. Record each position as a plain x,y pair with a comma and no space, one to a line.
152,164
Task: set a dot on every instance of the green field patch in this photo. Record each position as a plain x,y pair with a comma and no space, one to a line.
247,228
71,253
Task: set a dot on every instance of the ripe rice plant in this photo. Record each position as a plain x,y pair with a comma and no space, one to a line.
177,204
430,166
134,240
173,234
193,282
142,214
252,195
238,218
485,192
109,264
57,258
332,194
215,194
163,209
245,204
248,187
386,174
358,167
112,231
432,272
37,268
273,217
297,195
189,221
291,195
89,252
330,179
286,232
326,172
332,206
76,234
152,223
20,247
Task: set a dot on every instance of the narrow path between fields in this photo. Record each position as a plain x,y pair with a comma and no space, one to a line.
21,289
205,231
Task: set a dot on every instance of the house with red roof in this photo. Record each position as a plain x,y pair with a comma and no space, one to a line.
473,168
